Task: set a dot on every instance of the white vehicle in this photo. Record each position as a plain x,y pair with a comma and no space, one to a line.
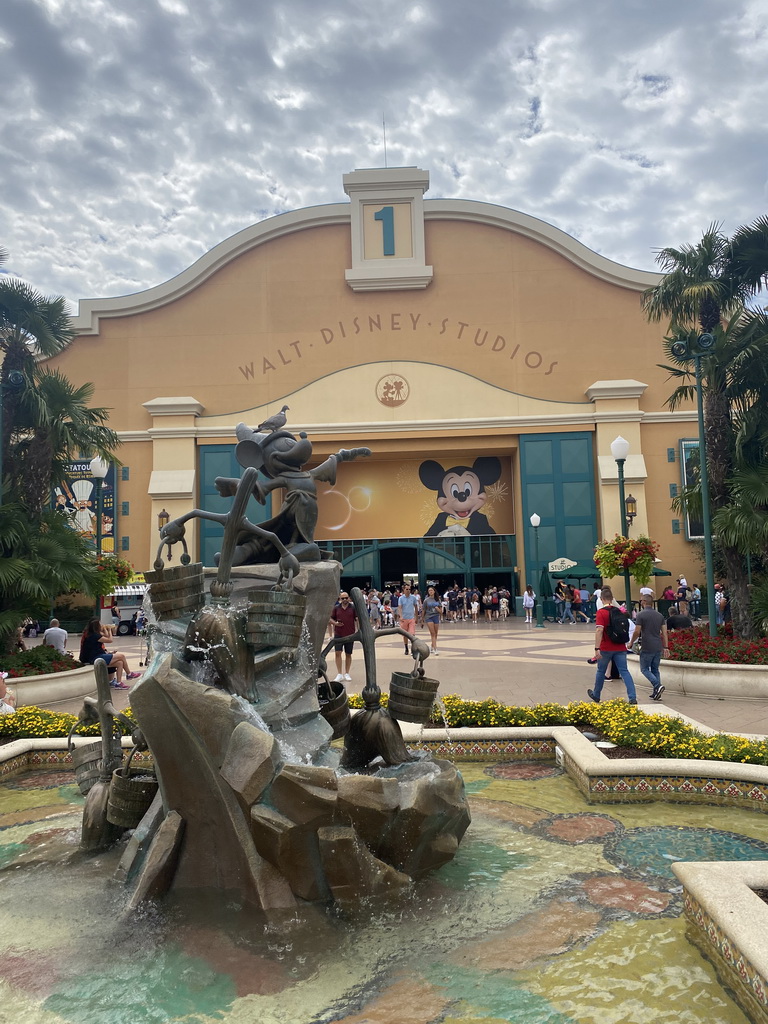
129,600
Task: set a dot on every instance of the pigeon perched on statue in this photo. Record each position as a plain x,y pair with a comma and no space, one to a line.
276,422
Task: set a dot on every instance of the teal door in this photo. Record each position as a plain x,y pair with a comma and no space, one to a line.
219,460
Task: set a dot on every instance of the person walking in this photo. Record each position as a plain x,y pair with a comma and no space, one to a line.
567,599
406,613
430,613
560,593
374,609
529,603
344,622
56,637
577,607
720,604
610,647
651,633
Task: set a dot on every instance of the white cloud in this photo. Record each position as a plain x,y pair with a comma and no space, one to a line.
134,138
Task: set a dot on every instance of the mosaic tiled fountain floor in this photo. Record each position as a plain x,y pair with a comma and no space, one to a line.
552,912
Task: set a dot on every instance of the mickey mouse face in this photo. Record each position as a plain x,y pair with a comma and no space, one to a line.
462,494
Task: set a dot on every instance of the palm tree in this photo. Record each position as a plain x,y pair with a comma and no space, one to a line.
39,559
55,424
707,289
45,424
31,326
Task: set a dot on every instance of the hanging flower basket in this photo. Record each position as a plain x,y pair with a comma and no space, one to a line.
633,554
113,572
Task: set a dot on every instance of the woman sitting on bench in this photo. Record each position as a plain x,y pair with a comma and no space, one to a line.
92,649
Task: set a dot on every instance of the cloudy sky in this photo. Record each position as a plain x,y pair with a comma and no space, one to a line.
137,134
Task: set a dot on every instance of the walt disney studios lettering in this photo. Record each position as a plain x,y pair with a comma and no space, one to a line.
458,330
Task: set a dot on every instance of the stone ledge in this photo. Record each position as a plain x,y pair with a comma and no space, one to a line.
729,924
700,679
54,688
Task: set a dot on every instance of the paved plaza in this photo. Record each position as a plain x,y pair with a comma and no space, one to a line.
517,664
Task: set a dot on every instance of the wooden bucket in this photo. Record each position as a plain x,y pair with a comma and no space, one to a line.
334,707
275,618
411,697
89,767
176,591
131,791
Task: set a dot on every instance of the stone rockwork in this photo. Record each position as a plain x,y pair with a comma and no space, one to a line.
260,806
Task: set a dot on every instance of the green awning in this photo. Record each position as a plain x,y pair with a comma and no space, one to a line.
589,571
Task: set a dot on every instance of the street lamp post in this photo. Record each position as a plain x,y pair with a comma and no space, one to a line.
163,518
536,523
695,350
620,451
706,511
99,468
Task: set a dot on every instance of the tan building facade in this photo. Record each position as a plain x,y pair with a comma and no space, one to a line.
486,358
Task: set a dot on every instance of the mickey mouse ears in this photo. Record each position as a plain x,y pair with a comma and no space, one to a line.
249,454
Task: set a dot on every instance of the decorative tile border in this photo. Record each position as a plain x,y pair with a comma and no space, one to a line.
489,750
14,764
633,788
42,756
735,969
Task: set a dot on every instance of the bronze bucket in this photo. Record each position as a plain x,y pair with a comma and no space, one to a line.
334,707
275,618
411,697
131,791
88,764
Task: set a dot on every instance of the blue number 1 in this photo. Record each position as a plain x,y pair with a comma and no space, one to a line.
387,217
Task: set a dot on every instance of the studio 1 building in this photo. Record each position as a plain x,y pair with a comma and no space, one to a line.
486,358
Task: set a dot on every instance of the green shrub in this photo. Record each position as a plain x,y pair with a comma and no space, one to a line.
38,661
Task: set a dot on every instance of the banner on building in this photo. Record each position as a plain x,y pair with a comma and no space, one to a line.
690,469
420,498
76,496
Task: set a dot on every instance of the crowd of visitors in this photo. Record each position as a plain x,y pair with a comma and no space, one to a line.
404,606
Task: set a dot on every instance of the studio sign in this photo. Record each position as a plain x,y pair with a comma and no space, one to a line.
560,565
475,339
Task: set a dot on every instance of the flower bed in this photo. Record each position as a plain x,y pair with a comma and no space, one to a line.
622,723
38,661
724,649
32,722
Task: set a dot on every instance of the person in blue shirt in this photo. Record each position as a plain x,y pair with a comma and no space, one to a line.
406,613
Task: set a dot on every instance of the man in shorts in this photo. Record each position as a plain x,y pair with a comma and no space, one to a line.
344,622
406,613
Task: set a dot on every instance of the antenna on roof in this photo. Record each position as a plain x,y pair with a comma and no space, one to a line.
384,126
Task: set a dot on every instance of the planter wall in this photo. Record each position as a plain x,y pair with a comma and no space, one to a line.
54,688
698,679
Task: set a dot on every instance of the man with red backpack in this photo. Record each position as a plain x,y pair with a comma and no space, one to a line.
611,638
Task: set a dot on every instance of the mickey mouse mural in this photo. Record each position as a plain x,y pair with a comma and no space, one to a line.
460,495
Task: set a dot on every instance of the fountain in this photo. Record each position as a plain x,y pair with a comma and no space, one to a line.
259,824
253,800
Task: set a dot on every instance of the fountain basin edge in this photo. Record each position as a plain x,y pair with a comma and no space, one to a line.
727,921
703,679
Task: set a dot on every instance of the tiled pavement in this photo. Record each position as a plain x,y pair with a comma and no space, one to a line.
519,664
